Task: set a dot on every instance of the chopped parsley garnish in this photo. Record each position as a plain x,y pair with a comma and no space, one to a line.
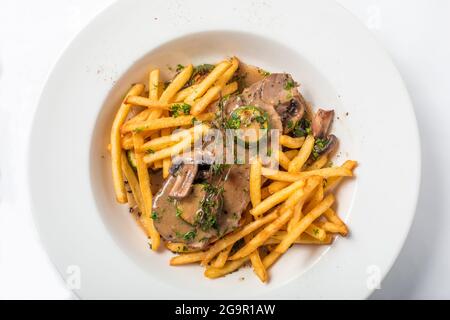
218,168
179,67
194,120
300,129
179,212
233,122
190,235
290,84
155,216
319,146
206,217
179,109
150,151
199,71
138,130
263,72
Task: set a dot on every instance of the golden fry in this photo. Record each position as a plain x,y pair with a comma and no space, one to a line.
276,198
263,235
277,186
144,183
291,154
231,238
229,267
208,81
291,143
297,163
319,163
147,102
180,248
291,177
187,258
132,182
167,141
334,181
176,149
255,182
301,226
116,146
153,85
229,73
169,122
201,104
222,257
180,80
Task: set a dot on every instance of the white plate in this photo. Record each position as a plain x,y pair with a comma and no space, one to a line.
339,65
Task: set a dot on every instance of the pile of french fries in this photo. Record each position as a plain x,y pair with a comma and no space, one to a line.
290,206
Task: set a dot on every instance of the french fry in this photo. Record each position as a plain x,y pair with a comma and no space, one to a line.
132,182
312,230
333,228
291,177
319,163
334,181
175,149
291,154
180,80
255,182
180,248
208,81
231,238
291,143
263,235
270,259
282,159
255,258
141,116
316,198
222,257
213,273
183,94
276,198
162,123
157,165
167,141
144,183
230,88
228,74
277,186
301,226
187,258
116,146
201,104
147,102
153,85
297,163
167,163
302,239
331,216
258,266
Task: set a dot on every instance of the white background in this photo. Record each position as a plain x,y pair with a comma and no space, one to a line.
415,32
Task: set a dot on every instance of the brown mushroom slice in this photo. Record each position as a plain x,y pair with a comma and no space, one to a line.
327,146
184,178
321,122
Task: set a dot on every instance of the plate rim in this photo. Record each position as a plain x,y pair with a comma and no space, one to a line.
416,140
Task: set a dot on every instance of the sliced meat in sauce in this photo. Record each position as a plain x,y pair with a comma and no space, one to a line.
178,204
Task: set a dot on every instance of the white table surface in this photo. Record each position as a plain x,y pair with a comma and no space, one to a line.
415,32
